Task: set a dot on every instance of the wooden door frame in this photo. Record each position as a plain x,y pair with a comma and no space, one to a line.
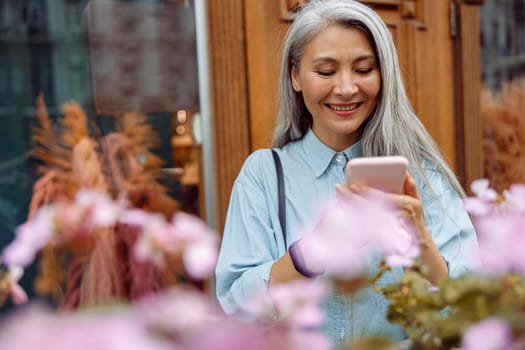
230,96
469,128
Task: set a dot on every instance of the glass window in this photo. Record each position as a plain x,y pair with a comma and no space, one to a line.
503,42
112,58
502,99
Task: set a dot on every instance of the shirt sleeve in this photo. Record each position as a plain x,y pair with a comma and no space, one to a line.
249,246
450,225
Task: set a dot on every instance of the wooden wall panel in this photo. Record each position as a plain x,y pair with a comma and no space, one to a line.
468,81
265,33
229,95
433,71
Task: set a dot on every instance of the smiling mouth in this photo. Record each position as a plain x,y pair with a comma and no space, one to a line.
344,108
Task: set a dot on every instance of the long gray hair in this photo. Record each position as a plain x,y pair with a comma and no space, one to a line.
393,128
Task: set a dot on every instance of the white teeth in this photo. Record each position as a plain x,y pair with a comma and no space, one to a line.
346,108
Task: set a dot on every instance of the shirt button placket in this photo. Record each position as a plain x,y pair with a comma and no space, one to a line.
340,160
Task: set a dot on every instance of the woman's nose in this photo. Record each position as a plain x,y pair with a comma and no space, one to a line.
345,85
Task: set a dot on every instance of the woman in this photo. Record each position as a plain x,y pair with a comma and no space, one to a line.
341,96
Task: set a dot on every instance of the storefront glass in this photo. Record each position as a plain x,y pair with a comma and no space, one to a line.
502,25
111,58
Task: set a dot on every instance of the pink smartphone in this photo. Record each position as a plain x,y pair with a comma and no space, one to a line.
384,173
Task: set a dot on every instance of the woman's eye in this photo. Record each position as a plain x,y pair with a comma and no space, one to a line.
363,70
325,73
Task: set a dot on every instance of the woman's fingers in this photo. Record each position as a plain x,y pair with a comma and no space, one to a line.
407,206
410,186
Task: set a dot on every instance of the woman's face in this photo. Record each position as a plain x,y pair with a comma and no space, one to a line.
340,80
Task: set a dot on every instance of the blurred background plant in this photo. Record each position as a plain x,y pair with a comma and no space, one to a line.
504,134
89,183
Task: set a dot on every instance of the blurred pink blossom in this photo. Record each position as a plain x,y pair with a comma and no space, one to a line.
500,225
191,321
155,237
89,210
30,237
176,310
176,319
298,302
200,242
230,334
295,307
186,234
489,334
515,198
35,328
200,258
104,211
351,230
284,302
18,294
482,202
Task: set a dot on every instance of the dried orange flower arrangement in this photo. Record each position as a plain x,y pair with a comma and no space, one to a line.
504,135
99,219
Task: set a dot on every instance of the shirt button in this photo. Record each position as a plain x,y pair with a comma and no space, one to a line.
340,159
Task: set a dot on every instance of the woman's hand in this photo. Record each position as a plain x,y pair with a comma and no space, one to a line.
408,207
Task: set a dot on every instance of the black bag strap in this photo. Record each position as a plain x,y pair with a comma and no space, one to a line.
280,190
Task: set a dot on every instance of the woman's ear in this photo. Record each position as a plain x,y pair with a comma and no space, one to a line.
294,76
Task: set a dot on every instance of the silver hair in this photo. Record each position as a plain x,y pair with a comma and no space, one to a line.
393,128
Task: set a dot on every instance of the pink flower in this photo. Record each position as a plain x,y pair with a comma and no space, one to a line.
295,303
200,242
30,237
186,234
35,328
483,202
54,223
515,198
200,259
309,340
489,334
293,307
176,310
17,293
482,190
400,246
500,228
228,334
155,237
350,231
194,323
104,211
298,302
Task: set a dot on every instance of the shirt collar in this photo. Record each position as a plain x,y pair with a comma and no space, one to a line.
320,155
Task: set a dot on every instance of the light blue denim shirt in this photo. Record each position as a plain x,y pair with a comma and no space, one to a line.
252,239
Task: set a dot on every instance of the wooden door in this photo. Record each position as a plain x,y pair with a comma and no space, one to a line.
441,75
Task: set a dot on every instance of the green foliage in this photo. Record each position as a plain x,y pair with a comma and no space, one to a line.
437,318
371,343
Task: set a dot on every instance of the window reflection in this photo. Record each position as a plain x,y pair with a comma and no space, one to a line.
111,57
502,25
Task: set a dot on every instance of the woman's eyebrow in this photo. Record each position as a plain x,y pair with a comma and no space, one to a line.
365,58
323,59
